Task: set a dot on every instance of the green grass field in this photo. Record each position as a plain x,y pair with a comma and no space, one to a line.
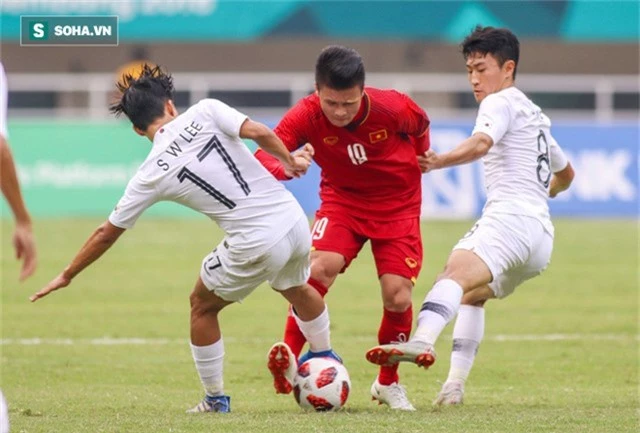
560,355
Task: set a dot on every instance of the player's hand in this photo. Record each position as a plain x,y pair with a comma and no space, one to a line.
422,162
299,167
430,161
25,248
57,283
307,151
302,161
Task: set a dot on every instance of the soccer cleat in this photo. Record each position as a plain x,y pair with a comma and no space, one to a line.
220,403
450,394
282,364
323,354
394,396
421,354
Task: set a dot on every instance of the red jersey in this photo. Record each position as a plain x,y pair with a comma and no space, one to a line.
368,166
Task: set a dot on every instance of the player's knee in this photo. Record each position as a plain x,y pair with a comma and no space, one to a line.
396,298
299,294
457,275
323,272
202,307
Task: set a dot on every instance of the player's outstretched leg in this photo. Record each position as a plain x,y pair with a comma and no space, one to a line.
467,335
282,364
394,396
219,403
440,306
293,336
420,353
207,348
316,332
306,301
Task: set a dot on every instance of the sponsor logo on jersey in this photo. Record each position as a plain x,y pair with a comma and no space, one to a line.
330,140
412,263
377,136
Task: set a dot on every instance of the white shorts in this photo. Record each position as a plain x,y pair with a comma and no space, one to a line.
233,275
514,247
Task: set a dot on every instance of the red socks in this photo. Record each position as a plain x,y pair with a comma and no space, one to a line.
395,327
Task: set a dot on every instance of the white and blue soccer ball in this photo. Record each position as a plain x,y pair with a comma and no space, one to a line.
321,384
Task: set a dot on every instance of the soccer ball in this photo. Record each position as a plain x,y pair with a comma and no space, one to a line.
321,384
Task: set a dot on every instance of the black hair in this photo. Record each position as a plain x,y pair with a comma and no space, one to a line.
143,97
339,68
499,42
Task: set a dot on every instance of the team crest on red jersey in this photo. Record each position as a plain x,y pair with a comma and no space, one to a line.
377,136
330,140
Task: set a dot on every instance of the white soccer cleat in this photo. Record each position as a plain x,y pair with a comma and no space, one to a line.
283,366
419,353
450,394
394,396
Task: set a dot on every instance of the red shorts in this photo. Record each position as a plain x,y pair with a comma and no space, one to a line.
396,245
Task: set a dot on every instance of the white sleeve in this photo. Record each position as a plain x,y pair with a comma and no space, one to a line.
228,119
4,102
494,117
138,196
558,160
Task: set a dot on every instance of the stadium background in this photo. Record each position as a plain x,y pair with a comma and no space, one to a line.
560,356
579,62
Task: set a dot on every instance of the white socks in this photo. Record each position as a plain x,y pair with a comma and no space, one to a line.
467,335
440,306
316,331
208,361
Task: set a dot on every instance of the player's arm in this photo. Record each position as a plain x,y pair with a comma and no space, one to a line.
269,142
561,168
471,149
98,243
561,180
413,121
10,185
492,123
422,145
289,130
23,240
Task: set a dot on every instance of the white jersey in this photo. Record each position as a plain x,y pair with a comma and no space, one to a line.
199,161
524,154
4,101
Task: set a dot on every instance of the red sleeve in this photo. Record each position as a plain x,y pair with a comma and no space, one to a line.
272,164
414,121
423,142
290,131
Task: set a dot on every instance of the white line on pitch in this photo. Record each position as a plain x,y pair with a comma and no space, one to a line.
139,341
